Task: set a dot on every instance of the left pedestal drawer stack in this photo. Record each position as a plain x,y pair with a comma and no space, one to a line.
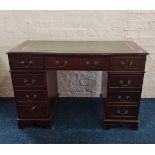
35,90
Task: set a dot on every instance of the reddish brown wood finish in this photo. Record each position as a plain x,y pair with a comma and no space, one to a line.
34,80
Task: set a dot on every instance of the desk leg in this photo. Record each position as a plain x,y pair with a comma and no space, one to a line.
52,92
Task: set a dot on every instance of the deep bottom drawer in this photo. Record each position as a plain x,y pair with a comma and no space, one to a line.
32,111
122,112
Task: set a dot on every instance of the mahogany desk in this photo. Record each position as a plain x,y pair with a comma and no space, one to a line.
34,66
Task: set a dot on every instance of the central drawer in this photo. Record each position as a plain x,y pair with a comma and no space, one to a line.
78,62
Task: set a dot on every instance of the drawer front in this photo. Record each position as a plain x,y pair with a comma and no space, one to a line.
122,112
28,80
89,63
124,96
127,63
30,96
125,81
32,111
25,61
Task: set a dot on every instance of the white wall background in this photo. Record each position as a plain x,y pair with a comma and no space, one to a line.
18,26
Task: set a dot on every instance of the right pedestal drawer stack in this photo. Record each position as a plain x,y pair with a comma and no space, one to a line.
125,79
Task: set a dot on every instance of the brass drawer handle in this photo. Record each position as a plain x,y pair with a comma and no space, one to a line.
127,97
91,65
122,113
27,96
29,84
35,96
25,80
88,63
65,62
122,98
33,81
33,108
121,82
123,63
30,62
57,62
63,65
127,64
131,63
119,97
22,62
95,63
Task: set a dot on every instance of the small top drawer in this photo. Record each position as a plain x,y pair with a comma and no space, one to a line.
81,62
127,63
25,61
125,81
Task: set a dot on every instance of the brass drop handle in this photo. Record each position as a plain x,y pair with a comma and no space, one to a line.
29,84
131,63
28,64
57,62
33,81
27,96
123,63
121,82
122,112
119,97
65,62
22,62
95,63
129,82
63,65
35,96
127,97
91,65
25,81
87,62
33,108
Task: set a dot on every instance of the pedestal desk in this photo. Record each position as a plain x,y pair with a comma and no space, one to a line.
34,66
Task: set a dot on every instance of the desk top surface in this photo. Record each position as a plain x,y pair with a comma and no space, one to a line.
78,47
